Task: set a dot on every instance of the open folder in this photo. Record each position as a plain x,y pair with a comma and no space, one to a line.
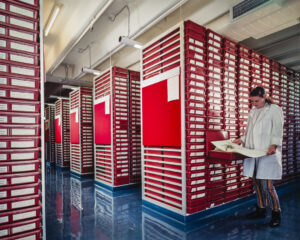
229,146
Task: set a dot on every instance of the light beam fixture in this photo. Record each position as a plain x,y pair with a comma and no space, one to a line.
69,87
58,97
90,71
129,42
54,12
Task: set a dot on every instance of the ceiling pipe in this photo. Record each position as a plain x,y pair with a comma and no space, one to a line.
137,33
83,32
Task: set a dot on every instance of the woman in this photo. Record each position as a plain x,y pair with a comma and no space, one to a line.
264,132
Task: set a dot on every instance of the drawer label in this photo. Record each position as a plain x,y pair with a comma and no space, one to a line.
23,71
3,68
19,156
22,35
3,182
22,144
22,95
3,169
3,232
23,108
4,219
22,204
22,180
2,55
21,216
28,1
3,207
22,47
24,191
25,168
3,194
3,119
21,23
2,18
23,120
21,11
22,59
24,228
2,43
23,83
3,132
3,107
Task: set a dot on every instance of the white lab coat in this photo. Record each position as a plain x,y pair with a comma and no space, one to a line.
267,130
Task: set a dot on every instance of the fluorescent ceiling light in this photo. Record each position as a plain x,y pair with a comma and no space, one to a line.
91,71
129,42
69,87
58,97
52,17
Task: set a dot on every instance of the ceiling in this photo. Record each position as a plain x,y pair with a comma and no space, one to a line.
86,33
282,46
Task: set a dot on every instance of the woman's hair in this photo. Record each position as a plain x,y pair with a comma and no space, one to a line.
260,92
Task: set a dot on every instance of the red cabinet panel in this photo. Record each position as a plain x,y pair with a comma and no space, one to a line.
58,129
102,121
74,125
161,118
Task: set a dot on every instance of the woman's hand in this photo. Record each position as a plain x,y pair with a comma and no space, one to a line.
238,141
272,150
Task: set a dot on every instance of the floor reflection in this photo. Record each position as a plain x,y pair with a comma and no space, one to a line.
117,214
82,208
77,209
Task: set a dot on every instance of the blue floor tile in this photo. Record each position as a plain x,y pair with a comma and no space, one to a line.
76,208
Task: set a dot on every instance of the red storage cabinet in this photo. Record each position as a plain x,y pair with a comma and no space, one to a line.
117,128
173,124
81,131
20,124
199,91
62,133
50,133
204,85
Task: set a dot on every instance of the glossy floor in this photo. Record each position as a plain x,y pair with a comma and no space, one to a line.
76,209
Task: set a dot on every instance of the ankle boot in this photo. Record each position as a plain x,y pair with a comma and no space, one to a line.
258,213
276,219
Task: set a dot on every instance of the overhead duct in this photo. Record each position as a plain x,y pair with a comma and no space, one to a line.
257,20
245,7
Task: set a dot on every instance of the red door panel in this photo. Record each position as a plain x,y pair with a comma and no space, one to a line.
58,129
102,122
74,125
161,119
